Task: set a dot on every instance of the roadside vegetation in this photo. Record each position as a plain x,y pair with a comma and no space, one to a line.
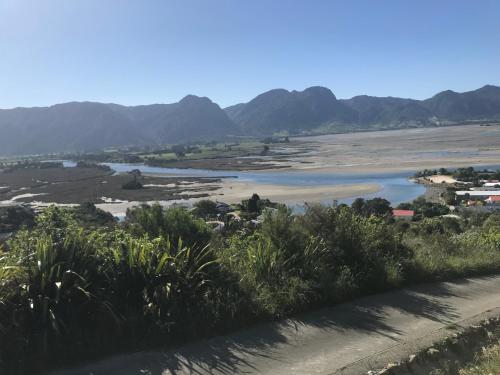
487,362
76,285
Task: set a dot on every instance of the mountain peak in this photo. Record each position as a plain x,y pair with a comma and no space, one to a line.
317,91
194,99
489,89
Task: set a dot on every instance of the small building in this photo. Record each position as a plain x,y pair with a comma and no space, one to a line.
403,214
492,184
493,200
478,193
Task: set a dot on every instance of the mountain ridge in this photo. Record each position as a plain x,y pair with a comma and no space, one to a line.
87,125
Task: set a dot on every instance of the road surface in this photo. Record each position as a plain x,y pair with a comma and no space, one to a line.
349,338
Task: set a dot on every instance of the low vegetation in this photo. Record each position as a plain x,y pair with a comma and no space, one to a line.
77,283
468,174
487,362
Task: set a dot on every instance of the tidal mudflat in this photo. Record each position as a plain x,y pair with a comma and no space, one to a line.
401,150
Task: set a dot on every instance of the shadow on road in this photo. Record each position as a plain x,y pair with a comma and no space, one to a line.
239,352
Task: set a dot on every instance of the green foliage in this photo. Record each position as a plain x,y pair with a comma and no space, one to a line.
253,207
70,291
173,223
89,214
132,185
14,217
253,204
377,206
487,362
424,208
446,225
206,209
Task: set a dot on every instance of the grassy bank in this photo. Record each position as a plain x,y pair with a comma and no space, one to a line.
73,290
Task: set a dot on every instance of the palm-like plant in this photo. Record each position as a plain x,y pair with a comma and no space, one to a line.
157,281
55,294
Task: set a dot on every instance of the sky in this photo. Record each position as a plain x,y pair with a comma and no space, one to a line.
157,51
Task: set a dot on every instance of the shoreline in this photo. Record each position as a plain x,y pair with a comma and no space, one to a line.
235,192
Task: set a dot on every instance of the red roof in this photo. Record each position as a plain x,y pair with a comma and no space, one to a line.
403,212
494,198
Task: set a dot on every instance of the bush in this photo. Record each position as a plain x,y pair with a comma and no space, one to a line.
69,291
132,185
424,208
174,223
206,209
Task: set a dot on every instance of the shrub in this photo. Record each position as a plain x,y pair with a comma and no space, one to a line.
174,223
206,209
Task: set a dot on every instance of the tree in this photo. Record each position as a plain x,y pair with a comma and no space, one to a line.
179,150
358,206
132,185
377,207
253,204
206,208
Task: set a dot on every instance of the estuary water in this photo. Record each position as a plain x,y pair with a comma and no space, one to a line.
395,187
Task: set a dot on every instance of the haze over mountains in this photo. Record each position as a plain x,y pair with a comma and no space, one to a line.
86,126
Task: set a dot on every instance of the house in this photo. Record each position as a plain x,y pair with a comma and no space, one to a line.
493,200
403,214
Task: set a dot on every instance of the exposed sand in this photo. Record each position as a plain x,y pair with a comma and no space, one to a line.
369,152
234,191
440,179
401,150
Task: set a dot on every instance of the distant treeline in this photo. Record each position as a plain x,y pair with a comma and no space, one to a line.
469,174
25,164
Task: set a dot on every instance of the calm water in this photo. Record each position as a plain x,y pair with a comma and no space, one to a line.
396,187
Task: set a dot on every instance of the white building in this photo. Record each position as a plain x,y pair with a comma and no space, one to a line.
478,193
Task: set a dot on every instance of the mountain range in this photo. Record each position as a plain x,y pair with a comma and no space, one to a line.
87,126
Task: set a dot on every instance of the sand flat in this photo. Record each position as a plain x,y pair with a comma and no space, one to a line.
234,191
401,150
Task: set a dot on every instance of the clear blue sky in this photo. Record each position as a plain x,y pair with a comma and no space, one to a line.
157,51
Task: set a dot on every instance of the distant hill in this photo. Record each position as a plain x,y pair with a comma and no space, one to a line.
315,107
292,111
374,110
87,126
93,126
483,103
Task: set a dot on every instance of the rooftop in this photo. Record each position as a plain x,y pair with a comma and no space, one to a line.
403,212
